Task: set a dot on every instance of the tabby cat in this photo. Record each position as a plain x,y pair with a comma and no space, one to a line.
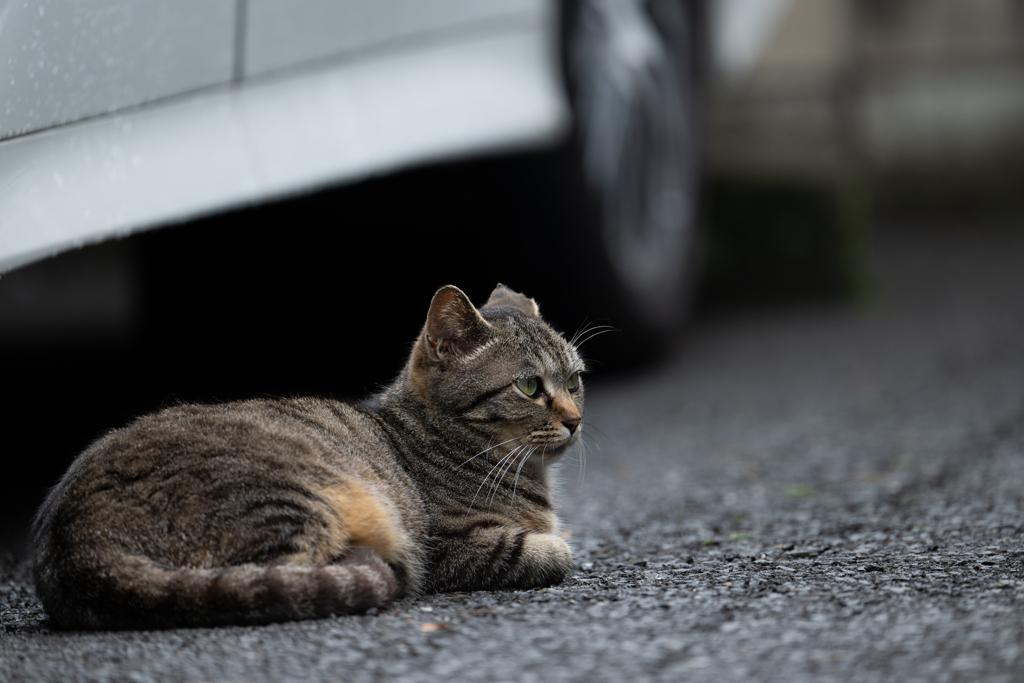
275,509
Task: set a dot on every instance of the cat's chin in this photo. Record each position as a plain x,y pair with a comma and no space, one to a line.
571,440
552,453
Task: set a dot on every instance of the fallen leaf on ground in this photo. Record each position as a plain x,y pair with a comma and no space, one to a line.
428,627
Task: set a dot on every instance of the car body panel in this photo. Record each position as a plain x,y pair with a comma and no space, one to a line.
286,33
63,61
416,101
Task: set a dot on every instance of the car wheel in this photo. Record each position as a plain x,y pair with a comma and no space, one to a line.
629,67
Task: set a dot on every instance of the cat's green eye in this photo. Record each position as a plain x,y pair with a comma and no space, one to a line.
573,383
528,385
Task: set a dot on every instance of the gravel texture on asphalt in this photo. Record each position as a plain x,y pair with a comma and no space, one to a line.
796,495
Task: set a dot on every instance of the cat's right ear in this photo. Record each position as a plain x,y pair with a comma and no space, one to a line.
505,296
454,327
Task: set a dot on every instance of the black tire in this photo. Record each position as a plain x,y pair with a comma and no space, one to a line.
629,172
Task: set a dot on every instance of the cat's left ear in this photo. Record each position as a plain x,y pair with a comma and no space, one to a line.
454,327
505,296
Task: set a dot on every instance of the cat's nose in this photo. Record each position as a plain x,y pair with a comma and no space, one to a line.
571,424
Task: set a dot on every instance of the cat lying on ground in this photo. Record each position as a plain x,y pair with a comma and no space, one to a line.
277,509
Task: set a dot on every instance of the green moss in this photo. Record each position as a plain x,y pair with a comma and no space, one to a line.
800,491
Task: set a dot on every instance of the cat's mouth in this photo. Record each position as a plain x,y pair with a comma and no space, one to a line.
543,446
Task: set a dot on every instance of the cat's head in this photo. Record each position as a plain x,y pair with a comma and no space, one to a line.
500,369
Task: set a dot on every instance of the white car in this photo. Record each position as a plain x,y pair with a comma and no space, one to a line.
123,115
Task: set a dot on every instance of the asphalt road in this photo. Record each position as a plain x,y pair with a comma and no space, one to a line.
799,494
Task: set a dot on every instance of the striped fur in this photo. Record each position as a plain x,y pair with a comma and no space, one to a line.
269,510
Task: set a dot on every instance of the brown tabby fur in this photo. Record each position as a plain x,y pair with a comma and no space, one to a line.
268,510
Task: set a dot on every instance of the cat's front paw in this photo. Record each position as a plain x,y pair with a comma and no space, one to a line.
548,559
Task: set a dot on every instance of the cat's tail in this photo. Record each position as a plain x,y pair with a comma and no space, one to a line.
142,594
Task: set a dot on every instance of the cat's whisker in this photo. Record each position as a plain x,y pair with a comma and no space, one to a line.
582,453
515,484
521,467
597,429
587,445
522,461
510,454
585,329
594,328
579,464
489,448
579,330
596,334
496,484
490,488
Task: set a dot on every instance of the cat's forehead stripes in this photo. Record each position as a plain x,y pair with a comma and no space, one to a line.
541,348
552,362
556,355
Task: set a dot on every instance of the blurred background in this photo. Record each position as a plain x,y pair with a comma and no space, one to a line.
216,200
